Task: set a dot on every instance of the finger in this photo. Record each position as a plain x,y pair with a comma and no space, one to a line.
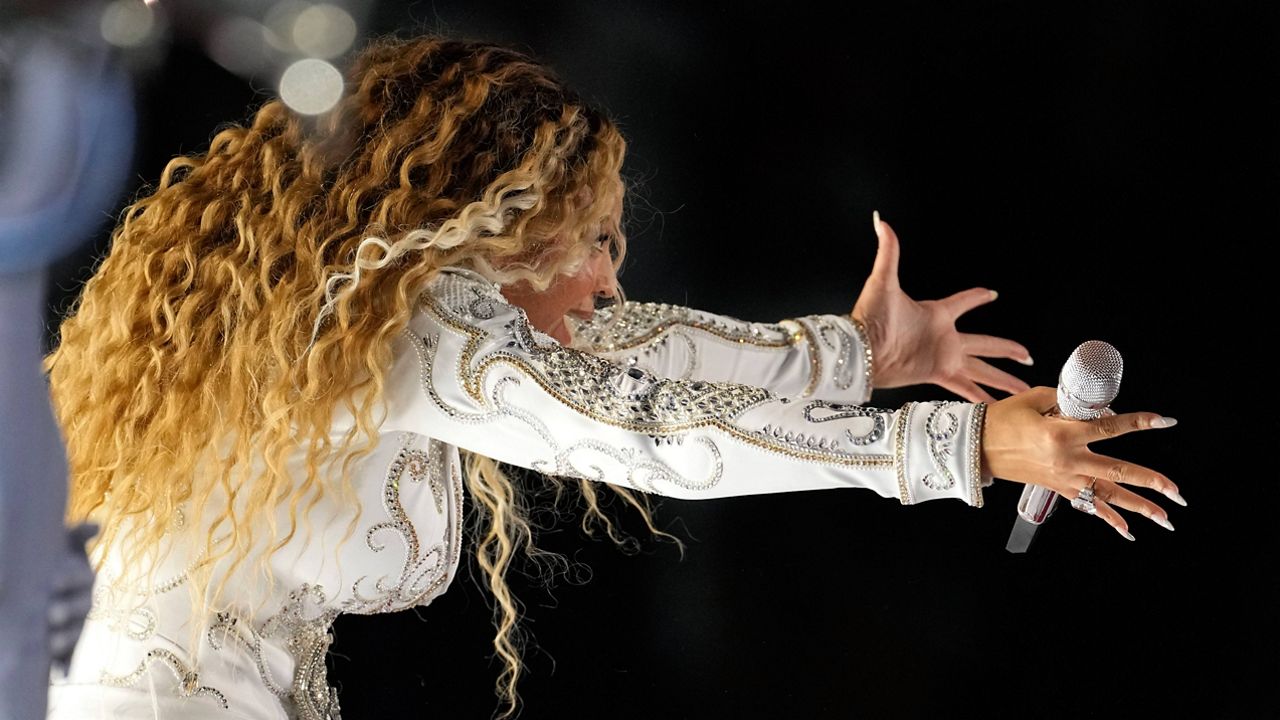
1122,497
1112,518
966,389
991,346
1109,426
1092,464
966,300
886,265
983,372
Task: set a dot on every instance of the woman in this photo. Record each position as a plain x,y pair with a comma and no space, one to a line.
266,385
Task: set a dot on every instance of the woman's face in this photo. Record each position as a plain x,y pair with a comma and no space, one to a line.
568,295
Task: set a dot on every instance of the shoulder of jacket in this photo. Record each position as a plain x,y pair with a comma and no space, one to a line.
472,303
462,292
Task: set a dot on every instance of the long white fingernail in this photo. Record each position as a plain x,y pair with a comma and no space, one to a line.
1125,533
1163,522
1174,496
1028,361
1164,422
875,219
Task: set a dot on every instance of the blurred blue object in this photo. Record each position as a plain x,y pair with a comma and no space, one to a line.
66,146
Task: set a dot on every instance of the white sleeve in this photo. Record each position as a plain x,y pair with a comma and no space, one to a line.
470,371
826,356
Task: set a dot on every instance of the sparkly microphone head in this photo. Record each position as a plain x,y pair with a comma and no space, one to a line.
1089,380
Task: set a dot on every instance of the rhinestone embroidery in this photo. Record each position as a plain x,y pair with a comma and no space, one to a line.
307,640
304,620
637,323
835,338
422,572
641,472
865,341
940,447
975,452
815,357
225,625
901,440
137,623
188,679
841,411
626,397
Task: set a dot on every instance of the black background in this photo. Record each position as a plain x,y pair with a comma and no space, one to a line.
1110,168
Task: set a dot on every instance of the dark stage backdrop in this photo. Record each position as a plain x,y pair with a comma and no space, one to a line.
1110,168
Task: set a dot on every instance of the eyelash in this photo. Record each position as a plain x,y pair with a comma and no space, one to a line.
605,243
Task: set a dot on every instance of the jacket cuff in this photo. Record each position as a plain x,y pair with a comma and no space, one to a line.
864,343
938,452
839,356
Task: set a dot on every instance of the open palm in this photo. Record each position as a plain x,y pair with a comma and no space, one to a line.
916,341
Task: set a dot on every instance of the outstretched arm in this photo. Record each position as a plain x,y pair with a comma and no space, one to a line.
470,371
888,340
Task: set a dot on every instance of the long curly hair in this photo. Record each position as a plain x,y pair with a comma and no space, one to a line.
262,282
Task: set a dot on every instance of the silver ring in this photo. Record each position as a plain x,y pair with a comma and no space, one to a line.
1084,501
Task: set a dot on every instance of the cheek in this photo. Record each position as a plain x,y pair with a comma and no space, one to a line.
581,286
565,295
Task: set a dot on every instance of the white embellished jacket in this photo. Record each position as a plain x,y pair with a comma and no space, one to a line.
669,400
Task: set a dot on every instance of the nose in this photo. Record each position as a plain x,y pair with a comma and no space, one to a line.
606,285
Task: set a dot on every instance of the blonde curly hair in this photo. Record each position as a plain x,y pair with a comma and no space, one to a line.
263,281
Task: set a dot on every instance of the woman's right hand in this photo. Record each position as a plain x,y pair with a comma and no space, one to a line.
1020,443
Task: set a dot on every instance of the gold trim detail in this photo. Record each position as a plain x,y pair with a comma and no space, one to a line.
815,358
867,356
901,436
976,425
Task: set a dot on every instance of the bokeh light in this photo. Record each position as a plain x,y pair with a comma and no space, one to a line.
280,20
127,23
324,30
239,44
311,86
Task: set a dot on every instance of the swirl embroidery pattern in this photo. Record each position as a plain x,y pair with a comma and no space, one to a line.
941,446
422,572
303,623
842,343
188,679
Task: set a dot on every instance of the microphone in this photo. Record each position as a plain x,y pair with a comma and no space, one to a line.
1089,381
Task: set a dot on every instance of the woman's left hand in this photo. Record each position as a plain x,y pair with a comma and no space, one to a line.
915,342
